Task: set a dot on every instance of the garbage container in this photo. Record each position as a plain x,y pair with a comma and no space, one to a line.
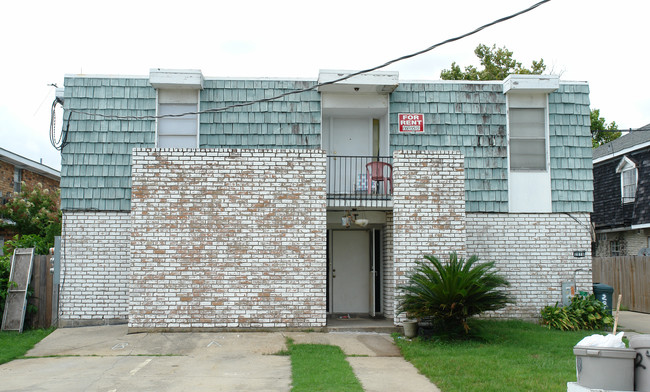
604,294
605,367
641,343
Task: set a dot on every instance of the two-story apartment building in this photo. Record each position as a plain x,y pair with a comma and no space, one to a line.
279,213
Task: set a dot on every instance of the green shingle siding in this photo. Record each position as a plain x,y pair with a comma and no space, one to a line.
465,117
471,118
458,116
570,149
96,164
291,122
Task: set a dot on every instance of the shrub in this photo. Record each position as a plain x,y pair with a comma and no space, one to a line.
451,293
584,312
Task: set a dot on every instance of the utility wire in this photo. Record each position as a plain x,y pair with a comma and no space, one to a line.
249,103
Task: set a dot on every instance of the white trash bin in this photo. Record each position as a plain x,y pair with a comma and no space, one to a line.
605,368
641,343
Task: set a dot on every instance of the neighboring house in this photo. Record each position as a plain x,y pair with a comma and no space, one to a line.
16,171
622,195
280,213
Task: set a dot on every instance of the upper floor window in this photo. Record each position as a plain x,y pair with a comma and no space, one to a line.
18,178
178,93
182,131
527,138
627,169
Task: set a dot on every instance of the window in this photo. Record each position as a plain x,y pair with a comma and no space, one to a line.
18,178
527,139
628,171
614,248
178,132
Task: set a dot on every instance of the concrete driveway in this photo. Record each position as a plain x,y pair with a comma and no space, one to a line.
108,359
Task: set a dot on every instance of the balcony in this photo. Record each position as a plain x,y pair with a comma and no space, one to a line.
359,181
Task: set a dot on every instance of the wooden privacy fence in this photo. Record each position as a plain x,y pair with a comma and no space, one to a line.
629,276
42,297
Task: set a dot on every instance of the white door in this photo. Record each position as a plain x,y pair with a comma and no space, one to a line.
350,270
349,137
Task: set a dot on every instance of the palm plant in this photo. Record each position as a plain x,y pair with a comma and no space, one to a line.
451,293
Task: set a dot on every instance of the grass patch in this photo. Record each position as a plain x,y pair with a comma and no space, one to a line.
320,368
14,345
509,356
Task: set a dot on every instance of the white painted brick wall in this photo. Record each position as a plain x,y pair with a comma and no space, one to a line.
535,253
388,271
228,239
95,268
428,209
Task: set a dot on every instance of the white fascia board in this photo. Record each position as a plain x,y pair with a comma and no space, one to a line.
26,163
622,152
531,84
372,82
176,78
643,226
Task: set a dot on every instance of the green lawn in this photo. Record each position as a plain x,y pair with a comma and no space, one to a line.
319,368
14,345
513,356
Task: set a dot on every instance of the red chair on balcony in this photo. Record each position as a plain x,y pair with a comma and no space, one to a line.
376,171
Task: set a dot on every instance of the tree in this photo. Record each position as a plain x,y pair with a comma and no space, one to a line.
601,132
33,211
497,65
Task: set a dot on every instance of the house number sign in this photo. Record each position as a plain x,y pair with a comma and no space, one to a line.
411,122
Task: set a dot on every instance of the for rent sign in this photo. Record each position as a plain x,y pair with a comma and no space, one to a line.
411,122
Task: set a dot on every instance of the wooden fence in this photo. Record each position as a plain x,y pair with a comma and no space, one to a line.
629,275
42,297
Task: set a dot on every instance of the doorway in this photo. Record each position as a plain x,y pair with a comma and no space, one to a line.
354,272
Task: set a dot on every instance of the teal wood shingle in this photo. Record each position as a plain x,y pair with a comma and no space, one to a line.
97,160
455,115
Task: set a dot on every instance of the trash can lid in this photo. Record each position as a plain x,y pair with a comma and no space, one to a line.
640,341
603,287
604,352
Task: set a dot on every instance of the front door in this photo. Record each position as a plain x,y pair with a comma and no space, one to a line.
350,271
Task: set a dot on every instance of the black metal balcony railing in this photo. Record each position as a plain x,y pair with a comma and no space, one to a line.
358,178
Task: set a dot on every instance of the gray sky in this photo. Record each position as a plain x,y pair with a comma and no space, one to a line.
602,42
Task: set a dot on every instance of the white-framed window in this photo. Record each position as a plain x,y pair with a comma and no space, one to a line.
629,178
182,131
18,178
614,248
527,138
529,174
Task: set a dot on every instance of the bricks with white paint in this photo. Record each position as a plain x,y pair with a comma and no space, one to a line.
228,239
95,268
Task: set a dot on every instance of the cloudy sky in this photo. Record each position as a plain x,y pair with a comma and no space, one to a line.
602,42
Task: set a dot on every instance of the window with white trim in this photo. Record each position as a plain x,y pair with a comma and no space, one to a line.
182,131
18,178
627,169
614,248
527,139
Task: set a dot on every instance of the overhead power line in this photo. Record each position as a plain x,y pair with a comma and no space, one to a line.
249,103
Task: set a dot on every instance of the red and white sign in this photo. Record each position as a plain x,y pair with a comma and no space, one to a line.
411,122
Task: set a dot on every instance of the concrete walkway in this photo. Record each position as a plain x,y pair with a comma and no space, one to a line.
108,359
634,321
